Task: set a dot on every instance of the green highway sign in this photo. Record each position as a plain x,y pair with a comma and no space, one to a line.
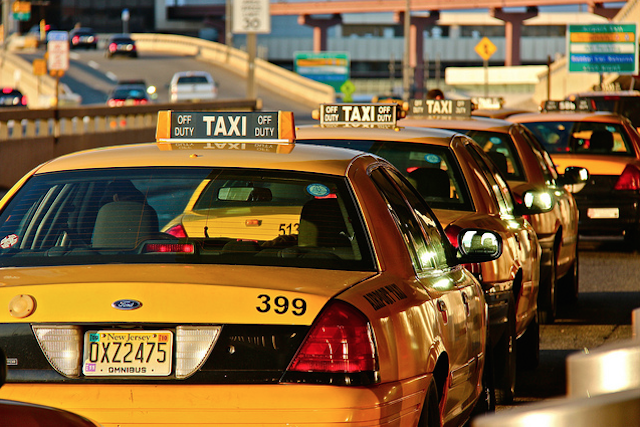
603,48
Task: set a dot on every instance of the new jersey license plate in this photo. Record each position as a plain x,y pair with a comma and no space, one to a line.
127,353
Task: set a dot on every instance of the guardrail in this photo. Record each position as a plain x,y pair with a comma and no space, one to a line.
40,135
283,81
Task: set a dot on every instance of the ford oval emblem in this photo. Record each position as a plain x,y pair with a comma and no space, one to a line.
126,304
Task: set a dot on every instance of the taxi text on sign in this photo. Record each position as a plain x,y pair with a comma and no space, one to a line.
58,50
251,16
603,48
485,48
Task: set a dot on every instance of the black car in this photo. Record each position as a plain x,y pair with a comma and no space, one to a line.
11,97
625,102
83,37
121,45
128,95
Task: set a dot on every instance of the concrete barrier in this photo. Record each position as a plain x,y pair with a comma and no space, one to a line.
607,369
612,410
285,82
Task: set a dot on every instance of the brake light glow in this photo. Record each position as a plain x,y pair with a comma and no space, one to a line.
629,180
177,231
186,248
113,47
340,341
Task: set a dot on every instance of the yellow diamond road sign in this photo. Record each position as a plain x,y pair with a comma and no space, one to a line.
485,48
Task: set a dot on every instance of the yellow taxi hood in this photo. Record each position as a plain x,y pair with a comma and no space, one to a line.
171,293
595,164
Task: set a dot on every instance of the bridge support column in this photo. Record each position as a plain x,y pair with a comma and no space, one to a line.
320,26
418,25
513,31
219,24
600,10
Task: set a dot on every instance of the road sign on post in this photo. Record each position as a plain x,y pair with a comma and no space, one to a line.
57,56
251,17
603,48
21,10
485,48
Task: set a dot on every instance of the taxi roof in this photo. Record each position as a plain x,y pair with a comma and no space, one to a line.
471,123
600,116
303,158
402,134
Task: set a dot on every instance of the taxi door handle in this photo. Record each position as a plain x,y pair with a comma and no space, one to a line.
442,308
465,301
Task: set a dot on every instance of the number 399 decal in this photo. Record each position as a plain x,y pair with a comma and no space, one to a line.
281,305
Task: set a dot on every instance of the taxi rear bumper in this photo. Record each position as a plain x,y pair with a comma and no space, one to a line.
396,403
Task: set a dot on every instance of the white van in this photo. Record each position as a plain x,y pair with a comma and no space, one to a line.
192,86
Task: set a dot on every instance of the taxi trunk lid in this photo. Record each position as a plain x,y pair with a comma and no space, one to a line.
173,293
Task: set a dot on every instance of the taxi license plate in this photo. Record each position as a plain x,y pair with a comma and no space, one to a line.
603,213
127,353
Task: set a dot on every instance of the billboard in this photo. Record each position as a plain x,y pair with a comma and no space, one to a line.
603,48
332,68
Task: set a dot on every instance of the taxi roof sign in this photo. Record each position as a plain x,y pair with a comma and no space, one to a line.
565,106
257,131
440,107
381,115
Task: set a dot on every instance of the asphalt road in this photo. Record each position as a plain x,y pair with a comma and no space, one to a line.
93,76
609,292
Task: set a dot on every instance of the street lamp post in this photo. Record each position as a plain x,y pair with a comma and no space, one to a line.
406,69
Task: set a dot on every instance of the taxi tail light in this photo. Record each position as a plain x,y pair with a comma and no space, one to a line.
193,346
177,231
629,180
23,100
340,341
62,346
113,47
75,39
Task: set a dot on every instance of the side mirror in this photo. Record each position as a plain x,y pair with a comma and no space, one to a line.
574,178
478,245
536,202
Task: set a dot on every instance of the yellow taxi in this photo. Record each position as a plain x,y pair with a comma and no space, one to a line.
18,414
465,189
608,145
361,313
527,168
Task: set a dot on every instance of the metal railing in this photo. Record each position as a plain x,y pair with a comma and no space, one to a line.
31,137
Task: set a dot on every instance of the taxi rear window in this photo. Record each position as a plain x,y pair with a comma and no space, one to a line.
583,137
185,215
502,151
431,169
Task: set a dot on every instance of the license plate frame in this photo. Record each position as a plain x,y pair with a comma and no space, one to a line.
126,353
603,213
